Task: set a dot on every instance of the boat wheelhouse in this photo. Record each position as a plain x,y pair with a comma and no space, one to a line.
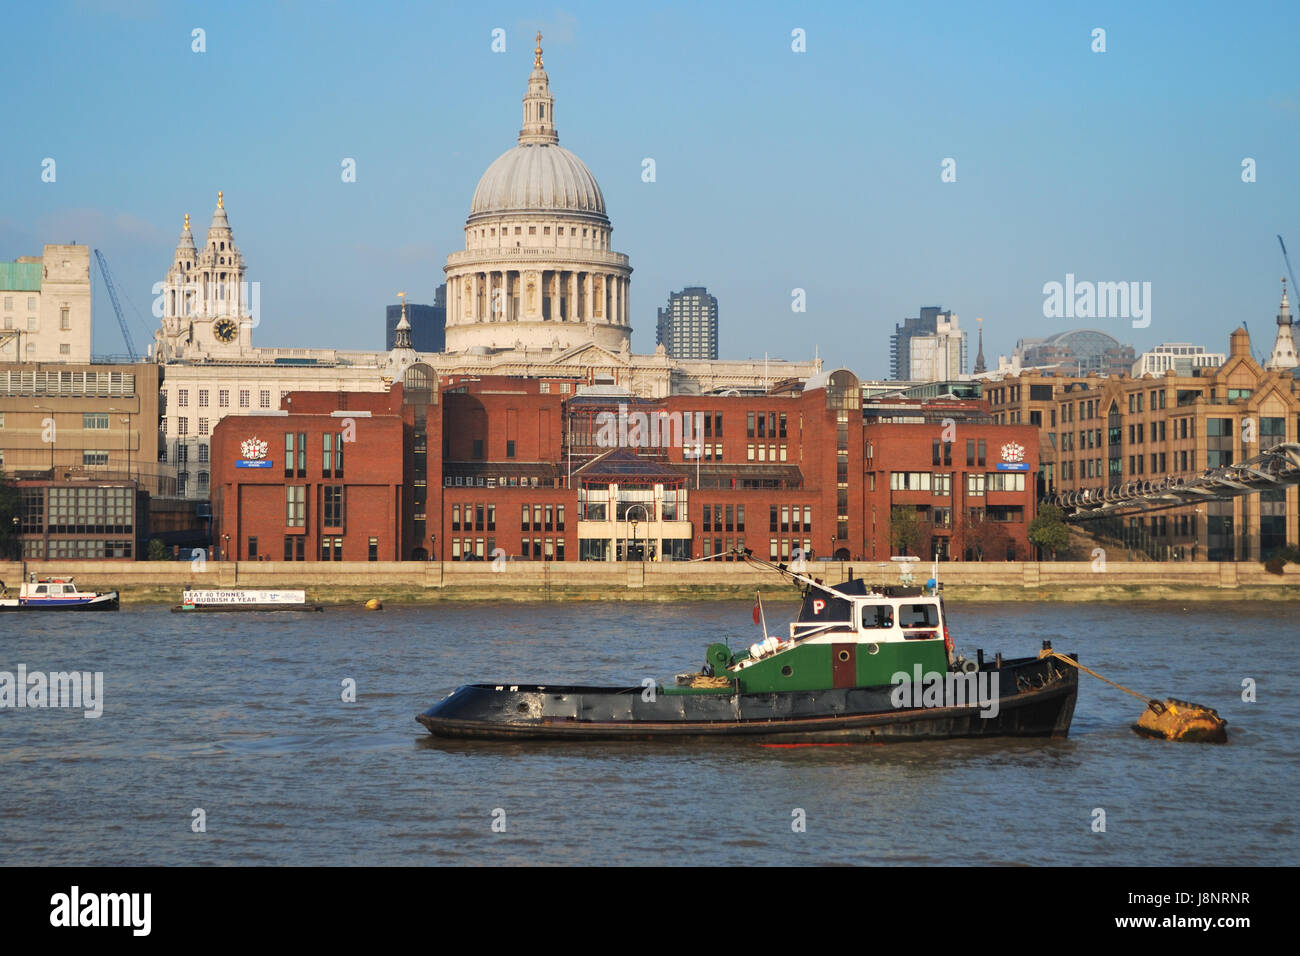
56,594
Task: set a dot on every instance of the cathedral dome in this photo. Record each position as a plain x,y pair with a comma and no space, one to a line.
538,177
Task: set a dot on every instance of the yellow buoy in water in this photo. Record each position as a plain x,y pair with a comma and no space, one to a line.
374,604
1179,720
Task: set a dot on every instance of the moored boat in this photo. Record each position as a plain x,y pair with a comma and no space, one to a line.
861,664
56,594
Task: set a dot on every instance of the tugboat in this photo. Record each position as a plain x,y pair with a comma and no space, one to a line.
56,594
862,664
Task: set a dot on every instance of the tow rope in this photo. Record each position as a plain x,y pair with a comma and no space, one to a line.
1171,719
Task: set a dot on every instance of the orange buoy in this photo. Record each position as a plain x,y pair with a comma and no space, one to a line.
1180,720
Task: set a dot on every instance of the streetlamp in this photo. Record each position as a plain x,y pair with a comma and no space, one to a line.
225,551
433,547
644,510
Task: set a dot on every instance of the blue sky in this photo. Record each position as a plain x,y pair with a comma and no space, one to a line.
776,170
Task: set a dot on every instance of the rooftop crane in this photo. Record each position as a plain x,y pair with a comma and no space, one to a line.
1287,260
117,306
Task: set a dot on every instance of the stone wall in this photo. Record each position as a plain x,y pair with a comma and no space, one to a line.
346,582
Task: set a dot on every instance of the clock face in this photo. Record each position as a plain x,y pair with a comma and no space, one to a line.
225,331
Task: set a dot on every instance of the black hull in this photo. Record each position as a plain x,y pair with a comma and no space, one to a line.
1036,698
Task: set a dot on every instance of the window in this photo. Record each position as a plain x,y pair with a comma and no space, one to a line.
1005,481
95,421
333,506
65,320
182,398
243,398
94,458
203,452
302,454
373,554
909,480
264,399
975,484
203,398
510,449
327,454
182,426
65,348
295,506
223,398
288,454
876,616
252,547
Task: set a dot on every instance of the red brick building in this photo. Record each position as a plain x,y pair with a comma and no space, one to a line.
552,469
330,476
967,486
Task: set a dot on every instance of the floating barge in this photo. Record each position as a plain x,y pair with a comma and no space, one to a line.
861,664
241,599
56,594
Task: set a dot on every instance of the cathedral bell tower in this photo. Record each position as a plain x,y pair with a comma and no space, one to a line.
206,310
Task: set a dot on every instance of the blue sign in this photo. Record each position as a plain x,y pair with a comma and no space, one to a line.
250,463
1022,466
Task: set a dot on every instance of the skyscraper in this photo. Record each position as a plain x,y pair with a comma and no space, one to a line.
688,328
927,348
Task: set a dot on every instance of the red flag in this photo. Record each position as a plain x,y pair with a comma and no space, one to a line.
758,610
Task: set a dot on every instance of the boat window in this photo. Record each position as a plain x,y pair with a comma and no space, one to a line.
877,615
918,615
41,589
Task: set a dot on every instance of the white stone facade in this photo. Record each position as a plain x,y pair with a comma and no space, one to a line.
537,270
47,319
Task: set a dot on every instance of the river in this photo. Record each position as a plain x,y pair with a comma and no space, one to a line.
241,717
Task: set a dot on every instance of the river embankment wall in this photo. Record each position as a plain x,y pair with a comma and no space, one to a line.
161,582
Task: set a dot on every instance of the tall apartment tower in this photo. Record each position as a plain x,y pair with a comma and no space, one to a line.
688,328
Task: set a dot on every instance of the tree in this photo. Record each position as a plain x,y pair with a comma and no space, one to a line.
158,550
986,538
1049,531
908,529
